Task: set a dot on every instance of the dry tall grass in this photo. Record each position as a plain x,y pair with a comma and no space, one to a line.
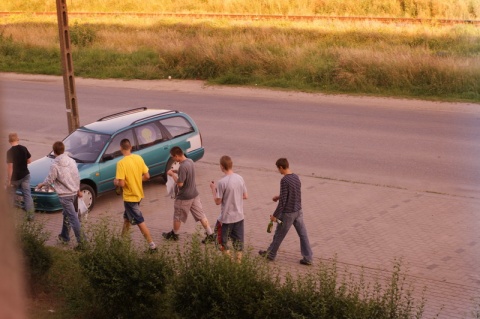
452,9
363,57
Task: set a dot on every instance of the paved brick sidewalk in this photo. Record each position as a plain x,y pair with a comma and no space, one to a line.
365,226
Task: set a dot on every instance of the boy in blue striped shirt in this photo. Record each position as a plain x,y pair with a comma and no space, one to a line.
289,211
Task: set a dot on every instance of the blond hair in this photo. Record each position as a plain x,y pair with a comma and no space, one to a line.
12,137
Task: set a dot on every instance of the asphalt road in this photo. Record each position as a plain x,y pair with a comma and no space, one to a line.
416,145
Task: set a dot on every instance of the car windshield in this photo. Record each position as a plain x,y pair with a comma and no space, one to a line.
84,146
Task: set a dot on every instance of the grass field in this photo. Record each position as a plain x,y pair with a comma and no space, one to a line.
419,61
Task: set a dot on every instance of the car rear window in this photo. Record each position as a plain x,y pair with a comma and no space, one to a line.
148,134
177,126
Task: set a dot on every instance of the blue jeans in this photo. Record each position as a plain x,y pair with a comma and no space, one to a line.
295,219
132,213
24,185
70,219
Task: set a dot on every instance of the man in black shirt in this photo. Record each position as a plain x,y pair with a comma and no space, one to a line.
18,175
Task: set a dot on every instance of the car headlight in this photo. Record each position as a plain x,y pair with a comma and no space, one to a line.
45,189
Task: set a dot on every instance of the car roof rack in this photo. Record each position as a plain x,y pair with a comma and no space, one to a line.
154,115
108,117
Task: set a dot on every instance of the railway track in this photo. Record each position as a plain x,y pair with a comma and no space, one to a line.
262,17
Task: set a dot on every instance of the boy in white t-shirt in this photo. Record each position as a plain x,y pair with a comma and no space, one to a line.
230,191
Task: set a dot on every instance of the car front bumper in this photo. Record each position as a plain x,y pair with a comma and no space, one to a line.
43,201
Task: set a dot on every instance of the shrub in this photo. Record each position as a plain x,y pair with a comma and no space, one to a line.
112,279
125,283
324,294
66,289
210,285
7,45
82,35
37,257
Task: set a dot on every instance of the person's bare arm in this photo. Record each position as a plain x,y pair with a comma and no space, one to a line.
119,182
213,187
9,173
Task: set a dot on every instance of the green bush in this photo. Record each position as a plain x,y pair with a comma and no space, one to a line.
8,47
82,35
126,283
113,278
323,294
38,259
67,287
210,285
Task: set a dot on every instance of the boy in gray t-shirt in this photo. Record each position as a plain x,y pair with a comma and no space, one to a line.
187,199
186,175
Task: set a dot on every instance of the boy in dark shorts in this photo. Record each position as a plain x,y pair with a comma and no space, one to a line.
230,191
131,172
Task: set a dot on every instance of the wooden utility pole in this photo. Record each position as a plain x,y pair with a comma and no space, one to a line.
67,67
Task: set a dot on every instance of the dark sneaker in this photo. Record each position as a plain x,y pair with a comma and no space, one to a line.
264,254
305,262
170,236
209,239
151,250
62,240
80,247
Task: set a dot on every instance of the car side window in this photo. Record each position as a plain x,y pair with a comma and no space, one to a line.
113,148
148,134
177,126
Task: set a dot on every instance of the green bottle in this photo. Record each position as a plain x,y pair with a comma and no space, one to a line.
270,225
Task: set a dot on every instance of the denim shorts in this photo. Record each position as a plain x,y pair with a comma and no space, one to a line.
233,231
132,213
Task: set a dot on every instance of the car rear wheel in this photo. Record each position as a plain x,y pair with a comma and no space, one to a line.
88,195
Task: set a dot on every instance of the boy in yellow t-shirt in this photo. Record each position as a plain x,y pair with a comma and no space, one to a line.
131,172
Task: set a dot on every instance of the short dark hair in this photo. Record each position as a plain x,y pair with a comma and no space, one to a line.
226,162
282,162
125,144
174,151
58,148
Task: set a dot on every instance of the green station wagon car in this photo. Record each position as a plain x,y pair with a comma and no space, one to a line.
96,149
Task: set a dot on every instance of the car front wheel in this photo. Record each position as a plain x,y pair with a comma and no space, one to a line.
88,196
